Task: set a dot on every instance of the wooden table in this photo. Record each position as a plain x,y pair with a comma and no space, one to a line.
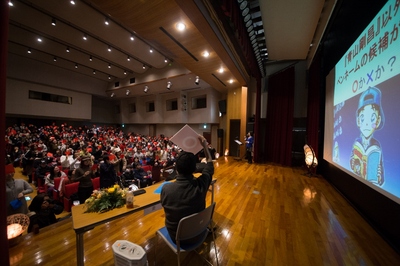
83,222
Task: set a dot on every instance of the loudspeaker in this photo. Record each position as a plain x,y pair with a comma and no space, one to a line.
222,106
220,132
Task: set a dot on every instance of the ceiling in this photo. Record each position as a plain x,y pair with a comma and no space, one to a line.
284,29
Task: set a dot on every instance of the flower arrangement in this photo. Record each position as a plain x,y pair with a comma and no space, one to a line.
105,199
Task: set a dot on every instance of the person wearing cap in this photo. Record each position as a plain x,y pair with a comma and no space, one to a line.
83,174
366,157
187,194
42,170
16,189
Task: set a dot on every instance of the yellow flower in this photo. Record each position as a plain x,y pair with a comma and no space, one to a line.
116,186
111,189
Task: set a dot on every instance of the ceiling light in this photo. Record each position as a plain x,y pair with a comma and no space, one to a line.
166,60
67,50
53,21
151,50
221,70
249,23
144,66
124,72
109,65
129,59
76,65
243,5
72,2
106,21
85,37
197,80
39,39
90,59
55,59
109,77
29,51
94,72
109,48
10,3
146,89
206,54
180,26
112,94
127,92
231,81
169,84
132,37
245,11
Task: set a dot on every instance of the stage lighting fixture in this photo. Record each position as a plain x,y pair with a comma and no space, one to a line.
127,92
112,94
146,89
197,80
169,84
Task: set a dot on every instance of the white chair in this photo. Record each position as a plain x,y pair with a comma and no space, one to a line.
194,225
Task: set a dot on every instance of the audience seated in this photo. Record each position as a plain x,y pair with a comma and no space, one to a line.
44,211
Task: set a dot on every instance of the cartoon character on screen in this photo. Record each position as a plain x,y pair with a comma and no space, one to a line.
366,157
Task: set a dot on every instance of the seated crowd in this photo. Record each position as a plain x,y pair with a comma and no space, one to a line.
83,153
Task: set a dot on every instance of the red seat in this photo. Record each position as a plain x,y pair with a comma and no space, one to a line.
96,183
147,168
69,190
56,195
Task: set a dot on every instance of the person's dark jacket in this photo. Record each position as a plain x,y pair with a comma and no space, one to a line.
184,197
108,177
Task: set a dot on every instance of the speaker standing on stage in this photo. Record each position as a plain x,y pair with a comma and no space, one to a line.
249,140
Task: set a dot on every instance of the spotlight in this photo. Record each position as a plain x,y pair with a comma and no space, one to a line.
197,80
29,51
10,3
53,21
109,77
144,66
129,59
169,84
90,59
94,72
127,92
132,37
55,59
72,2
112,94
151,50
166,60
85,37
106,21
146,89
124,72
76,65
67,50
109,48
109,65
180,26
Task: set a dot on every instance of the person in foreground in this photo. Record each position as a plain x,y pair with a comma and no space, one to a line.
187,195
16,189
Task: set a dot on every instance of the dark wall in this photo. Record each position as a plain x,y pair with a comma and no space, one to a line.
348,21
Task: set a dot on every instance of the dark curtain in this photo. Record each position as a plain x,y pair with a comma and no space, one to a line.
278,142
314,104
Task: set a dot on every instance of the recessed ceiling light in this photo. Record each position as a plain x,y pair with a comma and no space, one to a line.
221,70
231,81
206,53
39,39
106,21
180,26
132,37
